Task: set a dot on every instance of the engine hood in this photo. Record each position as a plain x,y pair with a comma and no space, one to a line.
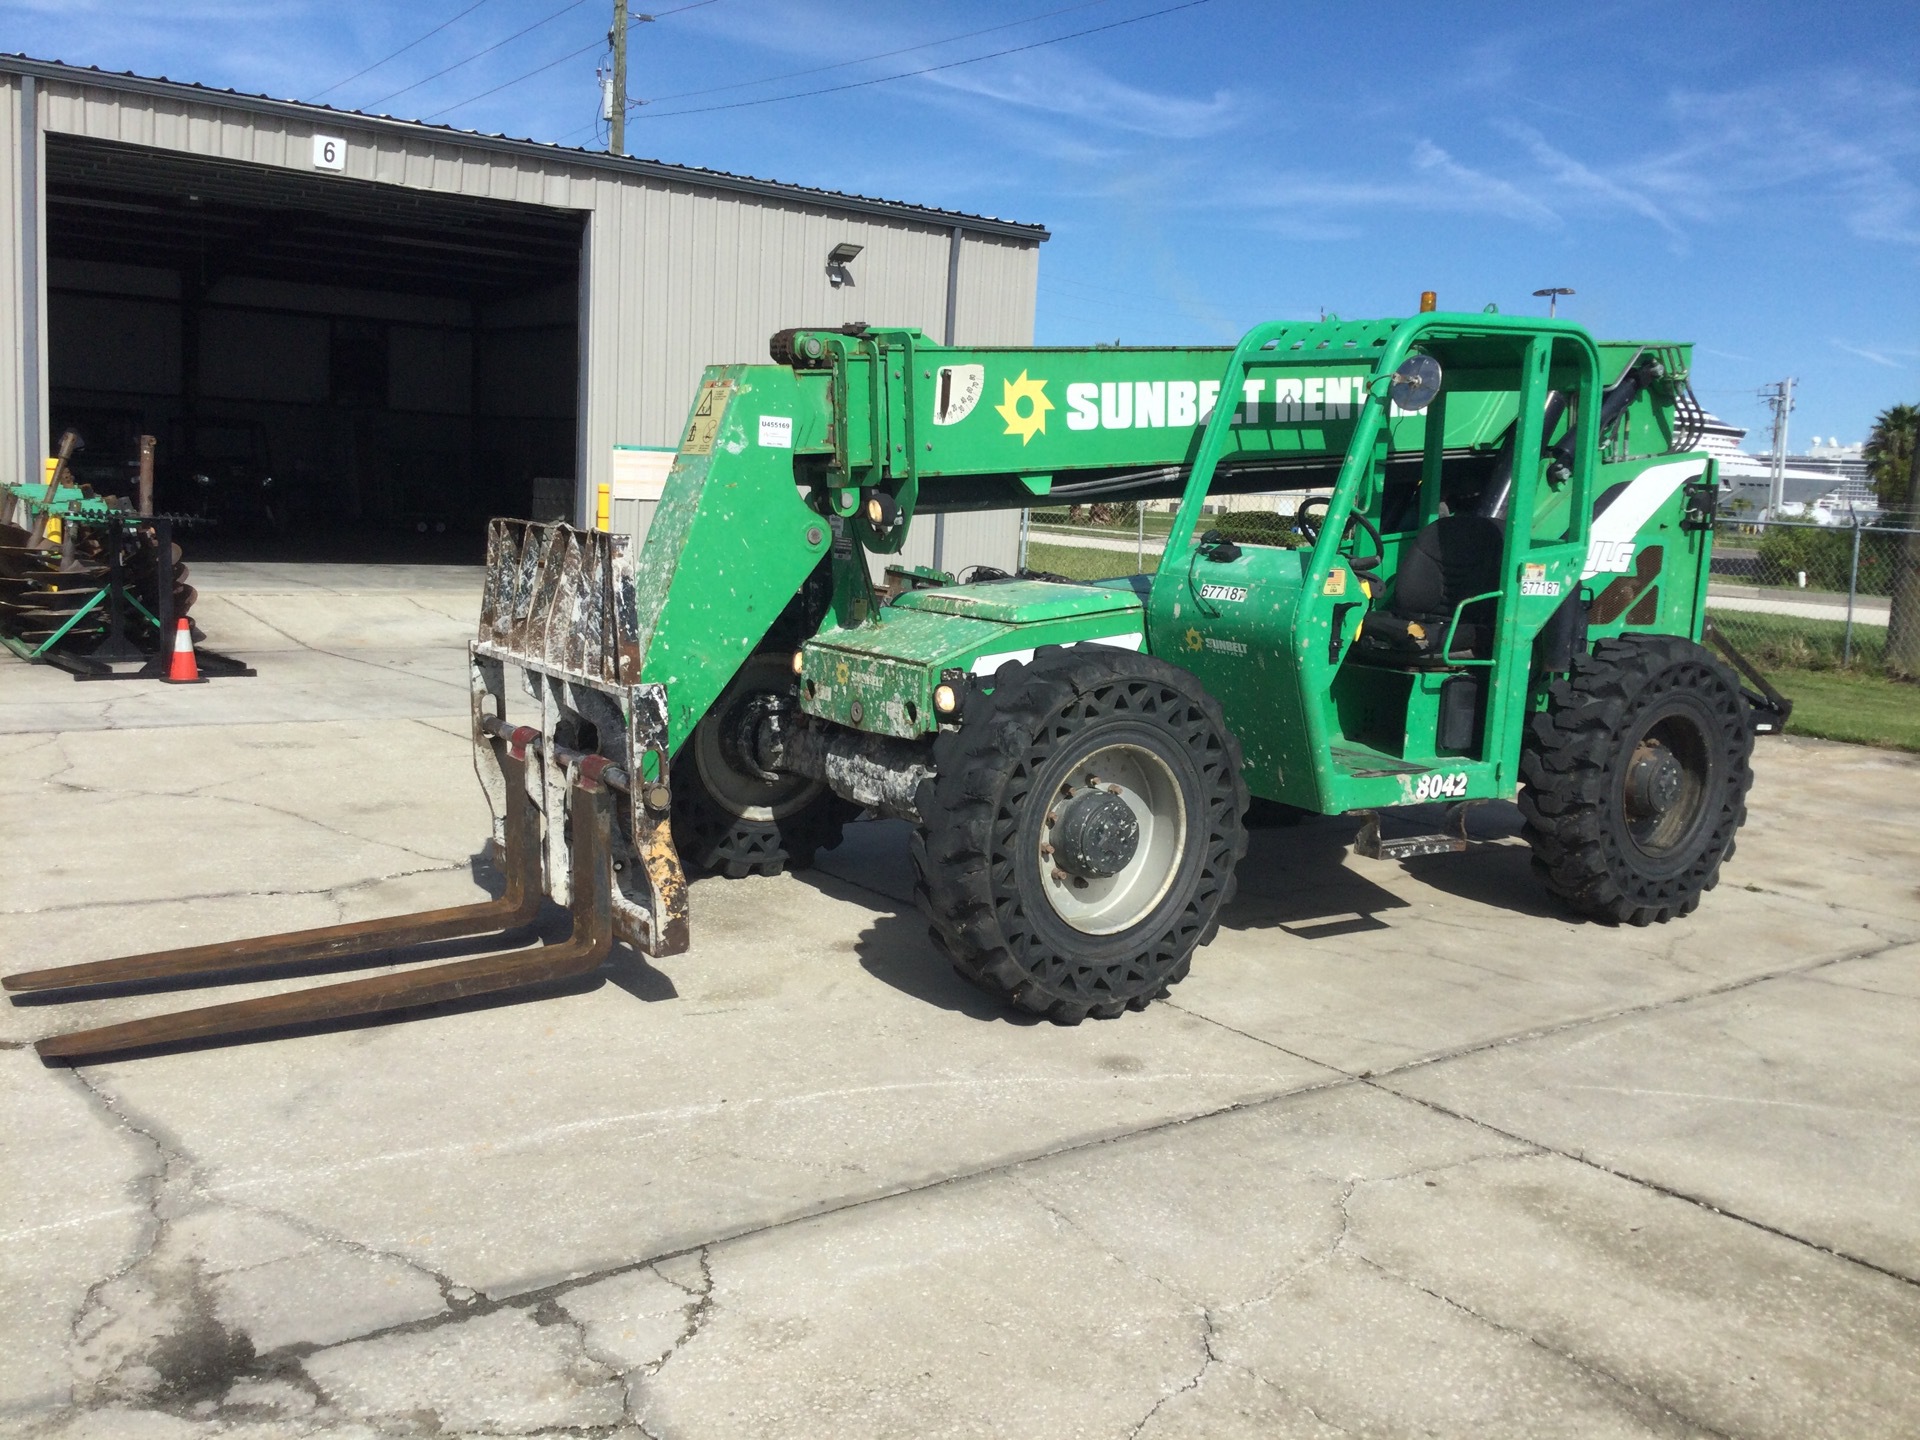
880,677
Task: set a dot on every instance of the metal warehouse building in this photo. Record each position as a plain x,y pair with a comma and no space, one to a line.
407,328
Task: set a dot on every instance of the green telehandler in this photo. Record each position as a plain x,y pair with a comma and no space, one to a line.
1502,588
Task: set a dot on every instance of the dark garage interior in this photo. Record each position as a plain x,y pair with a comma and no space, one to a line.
333,369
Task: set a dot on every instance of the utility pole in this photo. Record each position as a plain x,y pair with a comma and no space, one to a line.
617,82
1779,396
613,84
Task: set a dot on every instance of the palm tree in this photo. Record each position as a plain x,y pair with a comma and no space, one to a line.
1889,456
1893,460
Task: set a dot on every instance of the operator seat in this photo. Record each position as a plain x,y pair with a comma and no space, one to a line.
1451,560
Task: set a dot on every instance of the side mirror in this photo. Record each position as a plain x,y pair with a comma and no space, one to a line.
1413,386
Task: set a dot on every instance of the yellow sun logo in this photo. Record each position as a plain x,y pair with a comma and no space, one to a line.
1195,640
840,672
1033,421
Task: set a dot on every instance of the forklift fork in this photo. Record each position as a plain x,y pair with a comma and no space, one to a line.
587,821
589,825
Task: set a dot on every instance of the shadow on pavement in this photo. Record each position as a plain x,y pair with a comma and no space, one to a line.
1297,878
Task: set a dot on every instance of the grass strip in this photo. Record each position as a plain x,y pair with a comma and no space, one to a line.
1085,562
1862,709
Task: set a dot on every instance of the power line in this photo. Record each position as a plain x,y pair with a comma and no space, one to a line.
458,64
542,69
865,59
398,53
924,70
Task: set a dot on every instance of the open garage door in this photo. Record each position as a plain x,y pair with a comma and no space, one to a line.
334,369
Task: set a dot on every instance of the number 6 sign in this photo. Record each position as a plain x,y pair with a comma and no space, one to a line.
329,152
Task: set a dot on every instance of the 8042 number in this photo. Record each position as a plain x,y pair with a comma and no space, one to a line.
1440,787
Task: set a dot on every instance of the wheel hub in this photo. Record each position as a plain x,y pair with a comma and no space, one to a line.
1654,780
1113,838
725,746
1095,835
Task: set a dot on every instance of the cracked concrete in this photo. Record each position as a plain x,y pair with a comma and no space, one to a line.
1409,1153
504,1373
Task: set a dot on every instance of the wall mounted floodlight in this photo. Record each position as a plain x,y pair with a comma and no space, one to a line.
1552,297
838,259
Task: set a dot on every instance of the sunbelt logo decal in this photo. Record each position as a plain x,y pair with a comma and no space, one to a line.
1176,404
1155,404
1032,394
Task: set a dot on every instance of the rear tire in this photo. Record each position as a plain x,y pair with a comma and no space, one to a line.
1635,777
728,818
1081,832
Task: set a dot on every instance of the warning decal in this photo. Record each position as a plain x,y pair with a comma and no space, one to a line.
707,411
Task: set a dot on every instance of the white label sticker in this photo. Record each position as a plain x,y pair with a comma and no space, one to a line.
776,432
957,389
1235,593
329,152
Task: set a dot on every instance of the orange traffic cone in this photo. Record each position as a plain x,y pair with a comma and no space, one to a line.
184,669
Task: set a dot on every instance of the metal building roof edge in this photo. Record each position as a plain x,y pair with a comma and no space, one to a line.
127,81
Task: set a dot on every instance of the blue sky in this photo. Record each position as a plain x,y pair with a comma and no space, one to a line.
1743,176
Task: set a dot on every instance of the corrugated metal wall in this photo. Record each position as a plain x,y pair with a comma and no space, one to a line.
13,340
999,279
994,306
680,280
675,277
219,132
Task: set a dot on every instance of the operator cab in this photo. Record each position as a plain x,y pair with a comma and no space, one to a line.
1446,566
1452,560
1414,680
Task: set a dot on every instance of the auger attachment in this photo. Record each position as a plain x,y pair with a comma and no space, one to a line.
583,826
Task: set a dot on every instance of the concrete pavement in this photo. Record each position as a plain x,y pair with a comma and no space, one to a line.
1409,1153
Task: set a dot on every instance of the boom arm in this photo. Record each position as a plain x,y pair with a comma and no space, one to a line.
784,468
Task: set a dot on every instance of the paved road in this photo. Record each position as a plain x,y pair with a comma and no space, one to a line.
1867,609
1410,1153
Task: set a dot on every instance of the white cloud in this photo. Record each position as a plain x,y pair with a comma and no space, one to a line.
1570,175
1047,81
1830,147
1881,356
1829,142
1477,190
1071,90
1320,205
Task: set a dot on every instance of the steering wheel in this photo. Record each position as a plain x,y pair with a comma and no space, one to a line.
1310,523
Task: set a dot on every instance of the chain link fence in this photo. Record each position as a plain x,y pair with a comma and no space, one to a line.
1095,541
1790,594
1087,541
1795,594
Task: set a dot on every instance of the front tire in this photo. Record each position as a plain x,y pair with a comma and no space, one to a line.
1081,832
1635,777
728,817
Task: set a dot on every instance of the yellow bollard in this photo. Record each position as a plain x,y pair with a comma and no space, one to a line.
603,513
53,521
